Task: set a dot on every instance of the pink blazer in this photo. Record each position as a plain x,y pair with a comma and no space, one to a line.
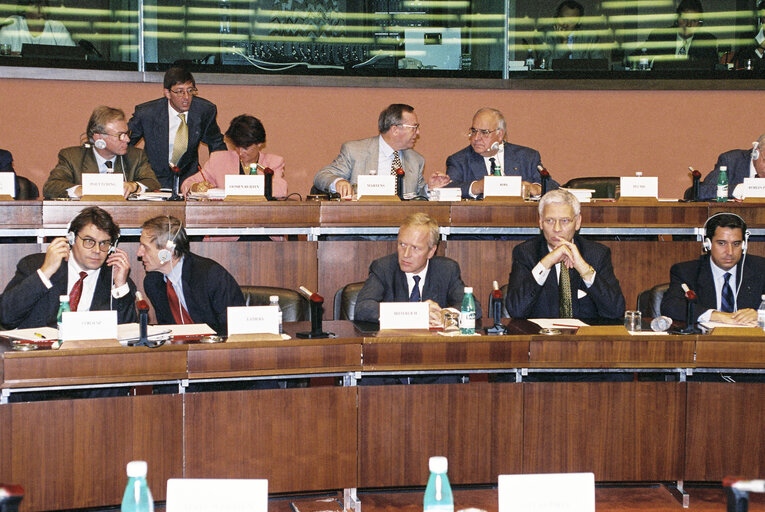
222,163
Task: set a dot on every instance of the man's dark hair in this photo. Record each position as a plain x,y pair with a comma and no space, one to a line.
99,218
392,115
177,75
164,228
690,5
569,4
724,220
246,130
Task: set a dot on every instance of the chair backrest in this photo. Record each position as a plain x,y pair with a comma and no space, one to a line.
212,495
345,301
294,305
649,301
604,186
26,189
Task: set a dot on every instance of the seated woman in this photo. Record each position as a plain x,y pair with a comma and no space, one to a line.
33,26
246,137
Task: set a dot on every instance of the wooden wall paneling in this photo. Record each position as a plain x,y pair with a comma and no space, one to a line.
605,214
128,214
299,439
477,426
5,447
632,431
72,453
725,426
251,214
20,214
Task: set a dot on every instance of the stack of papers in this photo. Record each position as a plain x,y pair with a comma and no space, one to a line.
213,194
583,194
151,196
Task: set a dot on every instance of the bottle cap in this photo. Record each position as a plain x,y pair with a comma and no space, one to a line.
137,468
638,173
468,289
438,464
63,298
274,298
724,168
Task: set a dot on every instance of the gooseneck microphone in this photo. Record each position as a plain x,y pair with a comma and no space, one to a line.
695,176
494,147
545,177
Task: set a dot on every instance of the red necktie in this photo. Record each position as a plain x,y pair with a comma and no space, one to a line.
179,312
76,293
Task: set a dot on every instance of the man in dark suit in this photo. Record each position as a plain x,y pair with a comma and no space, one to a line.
172,127
683,42
488,150
413,274
741,163
728,282
184,288
106,151
81,260
559,274
6,161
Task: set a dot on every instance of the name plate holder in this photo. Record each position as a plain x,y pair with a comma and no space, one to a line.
102,187
376,188
253,323
7,186
89,329
754,190
245,188
638,190
503,189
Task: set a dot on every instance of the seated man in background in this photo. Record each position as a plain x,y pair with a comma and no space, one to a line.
413,274
6,161
567,40
559,274
684,41
468,167
184,288
741,163
753,56
106,151
728,282
80,265
392,149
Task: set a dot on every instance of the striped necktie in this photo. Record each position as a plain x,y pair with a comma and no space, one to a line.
564,291
181,140
727,303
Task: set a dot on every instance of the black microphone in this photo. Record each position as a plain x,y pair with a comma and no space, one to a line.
690,298
400,182
696,175
268,183
545,175
90,48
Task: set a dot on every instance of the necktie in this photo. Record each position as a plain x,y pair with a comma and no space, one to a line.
683,50
415,295
395,166
76,293
495,170
564,290
180,315
109,166
727,303
181,140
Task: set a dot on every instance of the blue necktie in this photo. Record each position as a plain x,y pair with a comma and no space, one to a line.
727,302
415,295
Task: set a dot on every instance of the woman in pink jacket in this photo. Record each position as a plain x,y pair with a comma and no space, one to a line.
247,138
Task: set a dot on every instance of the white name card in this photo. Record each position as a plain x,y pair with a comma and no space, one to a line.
554,492
376,185
245,185
446,194
7,184
753,187
502,186
102,184
252,320
89,325
639,186
404,315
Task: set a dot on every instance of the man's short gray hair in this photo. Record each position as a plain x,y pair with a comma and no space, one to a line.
497,114
559,196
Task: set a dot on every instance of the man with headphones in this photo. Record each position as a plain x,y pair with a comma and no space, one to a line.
729,282
741,163
184,288
105,151
86,265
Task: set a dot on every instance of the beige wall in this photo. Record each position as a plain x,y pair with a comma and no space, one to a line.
578,133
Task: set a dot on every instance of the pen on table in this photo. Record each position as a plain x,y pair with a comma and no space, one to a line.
40,335
202,172
566,325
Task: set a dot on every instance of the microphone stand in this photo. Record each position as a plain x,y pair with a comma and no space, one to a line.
268,175
696,175
496,312
690,325
317,302
176,183
545,177
143,324
400,183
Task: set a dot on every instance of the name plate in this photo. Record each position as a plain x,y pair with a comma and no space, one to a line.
102,184
7,184
639,186
252,319
404,315
245,185
446,194
89,325
502,186
376,185
753,187
574,492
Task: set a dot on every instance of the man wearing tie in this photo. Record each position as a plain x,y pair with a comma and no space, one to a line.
741,163
105,151
184,288
729,282
172,127
413,274
559,274
489,154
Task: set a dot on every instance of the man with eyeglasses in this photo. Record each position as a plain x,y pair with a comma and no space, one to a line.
105,151
489,154
80,265
383,154
172,127
559,274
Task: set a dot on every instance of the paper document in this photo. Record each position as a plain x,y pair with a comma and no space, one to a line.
37,334
712,325
131,332
150,196
558,323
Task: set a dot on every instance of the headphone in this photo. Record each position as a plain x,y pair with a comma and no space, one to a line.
100,144
755,150
166,254
707,243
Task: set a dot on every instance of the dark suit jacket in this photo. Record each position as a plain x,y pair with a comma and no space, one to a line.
466,166
207,287
74,161
387,283
738,161
697,274
26,302
527,299
150,122
6,161
703,49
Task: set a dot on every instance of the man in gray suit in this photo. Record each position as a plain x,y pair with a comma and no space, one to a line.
399,130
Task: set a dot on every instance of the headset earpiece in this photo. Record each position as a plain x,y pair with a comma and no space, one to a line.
70,236
166,254
745,244
755,150
707,242
100,144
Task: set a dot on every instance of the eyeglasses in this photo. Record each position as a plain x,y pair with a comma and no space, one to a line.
89,243
119,135
412,126
564,222
485,133
191,91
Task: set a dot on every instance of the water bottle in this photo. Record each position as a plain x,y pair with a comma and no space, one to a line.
722,184
438,493
761,314
253,169
467,312
275,302
63,307
644,63
530,59
137,494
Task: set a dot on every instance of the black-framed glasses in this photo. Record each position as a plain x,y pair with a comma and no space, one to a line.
191,91
89,243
